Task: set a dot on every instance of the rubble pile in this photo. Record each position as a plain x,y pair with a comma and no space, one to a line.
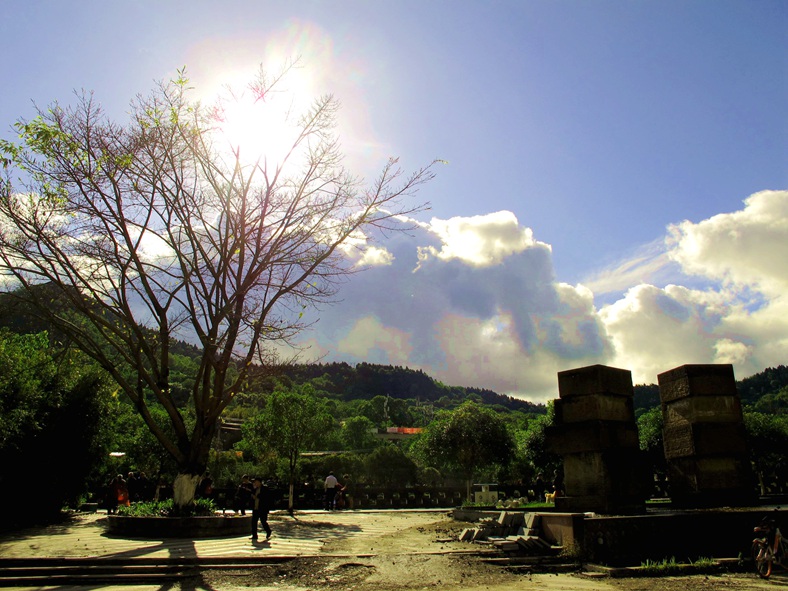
513,532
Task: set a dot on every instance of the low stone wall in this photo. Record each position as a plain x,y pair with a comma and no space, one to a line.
156,528
626,541
630,540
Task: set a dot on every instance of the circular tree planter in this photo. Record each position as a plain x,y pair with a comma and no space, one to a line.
218,526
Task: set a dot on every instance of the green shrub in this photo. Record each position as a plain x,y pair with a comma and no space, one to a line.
200,508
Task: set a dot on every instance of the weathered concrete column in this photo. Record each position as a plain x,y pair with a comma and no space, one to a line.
704,437
596,434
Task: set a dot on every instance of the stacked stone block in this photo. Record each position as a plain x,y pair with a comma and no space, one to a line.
596,434
704,437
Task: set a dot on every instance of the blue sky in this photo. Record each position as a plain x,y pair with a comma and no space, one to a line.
608,146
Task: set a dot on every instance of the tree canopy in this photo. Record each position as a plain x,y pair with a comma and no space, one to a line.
54,434
470,438
291,423
158,229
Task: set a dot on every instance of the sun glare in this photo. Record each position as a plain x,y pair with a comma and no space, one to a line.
258,130
265,128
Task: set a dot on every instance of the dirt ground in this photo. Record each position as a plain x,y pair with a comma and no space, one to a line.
429,556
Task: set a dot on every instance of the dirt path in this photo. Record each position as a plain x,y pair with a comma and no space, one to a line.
417,551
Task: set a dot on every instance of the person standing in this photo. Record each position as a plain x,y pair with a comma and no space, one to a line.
330,485
261,505
133,485
121,491
111,496
243,495
205,488
540,487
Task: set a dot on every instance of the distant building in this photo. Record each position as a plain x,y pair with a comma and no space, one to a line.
397,433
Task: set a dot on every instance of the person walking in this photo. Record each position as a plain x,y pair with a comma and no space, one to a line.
330,485
261,505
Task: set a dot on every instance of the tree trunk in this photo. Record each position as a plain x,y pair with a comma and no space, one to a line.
292,493
183,489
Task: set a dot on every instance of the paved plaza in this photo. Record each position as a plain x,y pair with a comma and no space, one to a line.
304,535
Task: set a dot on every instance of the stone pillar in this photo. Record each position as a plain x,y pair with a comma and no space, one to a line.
704,437
596,433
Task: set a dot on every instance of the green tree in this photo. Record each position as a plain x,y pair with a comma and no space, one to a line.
291,423
163,228
470,438
533,456
389,465
650,439
767,443
775,403
54,426
132,437
357,433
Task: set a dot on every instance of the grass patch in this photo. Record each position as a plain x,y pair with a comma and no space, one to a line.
704,562
669,566
666,566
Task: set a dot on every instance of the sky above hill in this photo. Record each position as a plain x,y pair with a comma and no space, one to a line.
616,189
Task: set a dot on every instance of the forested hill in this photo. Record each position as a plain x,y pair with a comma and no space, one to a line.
771,381
766,391
365,381
337,380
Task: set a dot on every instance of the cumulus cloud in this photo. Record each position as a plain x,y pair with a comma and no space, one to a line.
746,248
654,329
368,338
474,301
741,319
479,240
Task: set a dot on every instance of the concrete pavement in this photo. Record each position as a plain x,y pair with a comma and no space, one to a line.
85,536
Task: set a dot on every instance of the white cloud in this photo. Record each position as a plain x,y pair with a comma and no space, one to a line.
479,240
368,335
648,264
747,247
375,256
474,301
656,329
741,319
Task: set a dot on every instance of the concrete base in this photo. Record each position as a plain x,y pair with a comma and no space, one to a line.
605,504
628,541
156,528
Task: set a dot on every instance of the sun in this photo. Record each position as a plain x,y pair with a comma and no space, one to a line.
263,129
255,130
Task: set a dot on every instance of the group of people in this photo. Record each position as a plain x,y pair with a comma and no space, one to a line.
336,494
551,491
121,492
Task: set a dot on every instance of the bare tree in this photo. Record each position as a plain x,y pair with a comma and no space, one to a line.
153,230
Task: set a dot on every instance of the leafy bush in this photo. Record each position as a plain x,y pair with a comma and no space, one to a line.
200,508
